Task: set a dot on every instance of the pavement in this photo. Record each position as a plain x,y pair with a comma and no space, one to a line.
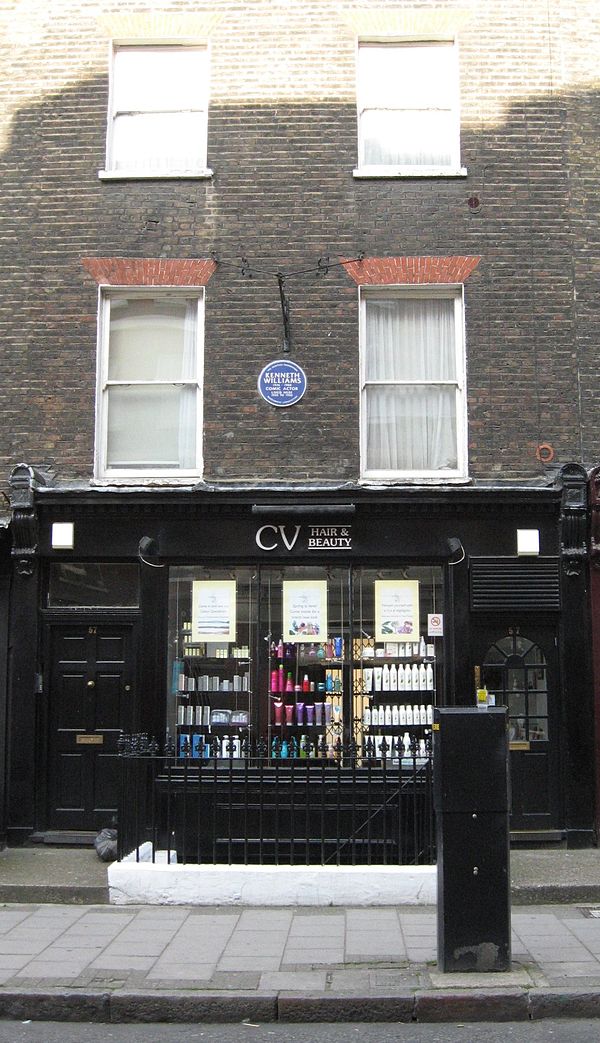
66,954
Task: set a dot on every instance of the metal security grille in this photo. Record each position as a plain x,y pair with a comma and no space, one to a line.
514,585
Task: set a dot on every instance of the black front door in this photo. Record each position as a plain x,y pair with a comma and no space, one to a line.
91,682
518,666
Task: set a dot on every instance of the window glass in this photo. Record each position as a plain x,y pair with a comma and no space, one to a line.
302,659
407,103
152,339
180,85
159,110
411,429
412,401
150,408
151,427
93,584
212,676
515,673
410,339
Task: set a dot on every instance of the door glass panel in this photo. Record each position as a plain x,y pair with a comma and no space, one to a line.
517,730
514,671
538,728
516,704
538,704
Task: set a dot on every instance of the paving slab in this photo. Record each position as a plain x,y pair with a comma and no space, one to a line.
90,961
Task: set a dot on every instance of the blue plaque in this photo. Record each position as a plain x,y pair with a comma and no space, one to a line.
282,383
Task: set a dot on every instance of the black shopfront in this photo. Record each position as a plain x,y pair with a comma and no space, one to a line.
211,618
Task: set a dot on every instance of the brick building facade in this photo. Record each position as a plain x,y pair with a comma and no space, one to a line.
284,209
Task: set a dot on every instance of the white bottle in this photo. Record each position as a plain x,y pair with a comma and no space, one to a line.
381,715
429,672
408,679
377,676
402,714
422,677
368,679
388,715
406,743
422,748
422,714
367,716
430,714
395,715
401,678
422,648
415,678
393,678
409,714
385,678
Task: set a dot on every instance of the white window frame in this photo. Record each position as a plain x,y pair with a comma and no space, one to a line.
453,292
106,295
110,172
454,169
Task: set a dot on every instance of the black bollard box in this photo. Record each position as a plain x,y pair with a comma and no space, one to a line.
472,805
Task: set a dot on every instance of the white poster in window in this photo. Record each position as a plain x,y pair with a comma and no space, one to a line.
304,610
213,610
396,610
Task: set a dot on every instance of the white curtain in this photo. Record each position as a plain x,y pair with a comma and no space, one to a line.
153,424
410,416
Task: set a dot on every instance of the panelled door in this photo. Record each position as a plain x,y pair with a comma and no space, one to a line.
518,665
90,696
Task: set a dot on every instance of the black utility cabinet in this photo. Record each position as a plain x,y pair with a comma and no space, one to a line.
472,804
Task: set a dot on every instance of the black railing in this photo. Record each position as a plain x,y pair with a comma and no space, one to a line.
345,806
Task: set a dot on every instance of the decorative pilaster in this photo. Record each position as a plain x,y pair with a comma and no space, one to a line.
23,481
573,519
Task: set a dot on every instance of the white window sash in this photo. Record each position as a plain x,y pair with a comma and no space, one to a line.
456,384
411,145
192,434
180,124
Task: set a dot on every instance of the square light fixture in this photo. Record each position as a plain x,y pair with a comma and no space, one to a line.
63,535
528,541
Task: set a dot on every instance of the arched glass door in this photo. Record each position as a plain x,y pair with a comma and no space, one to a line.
518,667
515,670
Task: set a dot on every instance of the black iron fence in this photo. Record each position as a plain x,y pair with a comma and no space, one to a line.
345,806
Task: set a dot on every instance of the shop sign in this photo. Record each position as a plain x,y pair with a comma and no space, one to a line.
329,537
315,537
282,383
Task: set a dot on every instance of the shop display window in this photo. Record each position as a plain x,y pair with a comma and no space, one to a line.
304,659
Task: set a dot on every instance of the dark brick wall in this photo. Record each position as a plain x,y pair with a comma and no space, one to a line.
282,144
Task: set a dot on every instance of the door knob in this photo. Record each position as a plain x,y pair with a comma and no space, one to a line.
91,684
127,687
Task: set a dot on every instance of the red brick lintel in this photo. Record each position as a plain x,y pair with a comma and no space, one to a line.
149,271
388,271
